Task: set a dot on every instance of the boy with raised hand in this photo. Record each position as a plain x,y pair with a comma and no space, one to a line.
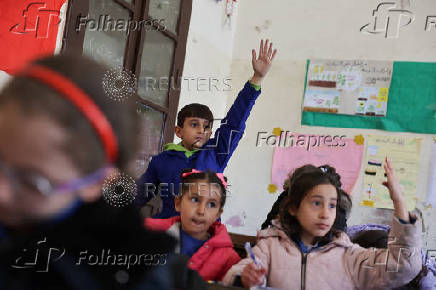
197,150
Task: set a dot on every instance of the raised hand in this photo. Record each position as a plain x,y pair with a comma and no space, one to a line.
262,64
392,183
395,191
252,276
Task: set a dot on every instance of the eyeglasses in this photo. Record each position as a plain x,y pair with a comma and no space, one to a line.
35,182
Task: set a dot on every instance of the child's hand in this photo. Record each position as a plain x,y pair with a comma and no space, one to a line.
252,276
392,183
395,191
262,64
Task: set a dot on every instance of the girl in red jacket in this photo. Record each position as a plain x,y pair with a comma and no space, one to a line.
200,235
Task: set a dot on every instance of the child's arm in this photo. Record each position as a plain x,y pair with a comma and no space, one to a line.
247,271
232,127
232,260
401,261
395,192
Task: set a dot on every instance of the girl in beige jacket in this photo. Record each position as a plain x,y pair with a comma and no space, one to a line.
302,250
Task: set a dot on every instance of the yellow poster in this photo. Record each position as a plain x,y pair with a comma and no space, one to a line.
405,154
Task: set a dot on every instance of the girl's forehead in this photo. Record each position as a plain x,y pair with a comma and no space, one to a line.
202,187
327,191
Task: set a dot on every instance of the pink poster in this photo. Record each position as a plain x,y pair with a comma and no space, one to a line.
342,153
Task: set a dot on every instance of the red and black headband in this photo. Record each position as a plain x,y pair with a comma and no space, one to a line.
82,102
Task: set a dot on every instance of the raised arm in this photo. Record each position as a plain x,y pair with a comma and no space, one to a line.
401,261
232,127
262,64
395,192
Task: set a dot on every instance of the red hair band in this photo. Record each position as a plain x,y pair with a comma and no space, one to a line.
82,102
219,175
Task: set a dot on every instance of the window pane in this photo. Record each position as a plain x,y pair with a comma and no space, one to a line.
168,10
106,32
156,60
150,136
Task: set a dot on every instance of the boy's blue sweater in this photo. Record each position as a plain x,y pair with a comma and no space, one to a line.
166,167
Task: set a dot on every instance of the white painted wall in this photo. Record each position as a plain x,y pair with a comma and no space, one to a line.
209,52
302,30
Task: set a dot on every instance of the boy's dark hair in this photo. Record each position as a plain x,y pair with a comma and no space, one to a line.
83,145
194,110
301,182
209,176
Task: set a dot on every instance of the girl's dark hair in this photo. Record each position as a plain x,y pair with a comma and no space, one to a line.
209,176
343,211
83,145
275,210
301,182
194,110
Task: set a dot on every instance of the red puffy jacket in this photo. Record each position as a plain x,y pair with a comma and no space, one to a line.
214,258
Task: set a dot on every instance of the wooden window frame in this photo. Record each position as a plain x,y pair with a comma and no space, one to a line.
73,41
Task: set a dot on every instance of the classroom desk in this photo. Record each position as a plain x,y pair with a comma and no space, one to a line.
221,287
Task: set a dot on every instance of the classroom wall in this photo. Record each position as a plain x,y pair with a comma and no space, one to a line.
303,30
209,53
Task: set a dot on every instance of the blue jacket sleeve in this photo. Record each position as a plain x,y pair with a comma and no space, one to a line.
232,127
146,185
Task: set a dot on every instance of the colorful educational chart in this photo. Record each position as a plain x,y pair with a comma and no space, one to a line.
347,160
411,106
405,154
357,87
431,189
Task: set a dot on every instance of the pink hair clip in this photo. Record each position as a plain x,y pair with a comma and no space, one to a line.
219,175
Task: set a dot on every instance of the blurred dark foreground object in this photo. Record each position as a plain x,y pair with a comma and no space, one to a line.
83,265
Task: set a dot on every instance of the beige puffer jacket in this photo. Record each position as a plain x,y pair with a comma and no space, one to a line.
339,265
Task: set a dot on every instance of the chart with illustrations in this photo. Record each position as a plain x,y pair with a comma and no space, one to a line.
355,87
405,155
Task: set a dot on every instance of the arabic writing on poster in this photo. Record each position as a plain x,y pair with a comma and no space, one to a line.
431,191
404,153
346,159
348,87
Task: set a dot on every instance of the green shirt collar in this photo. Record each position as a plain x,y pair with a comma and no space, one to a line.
180,147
